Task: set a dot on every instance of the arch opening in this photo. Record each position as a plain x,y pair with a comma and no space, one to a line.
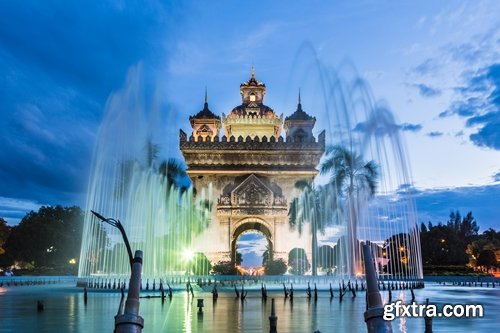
254,241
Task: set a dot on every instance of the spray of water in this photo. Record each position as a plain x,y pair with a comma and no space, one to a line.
160,217
365,172
344,207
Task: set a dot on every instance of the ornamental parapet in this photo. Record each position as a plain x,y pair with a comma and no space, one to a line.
248,143
252,119
248,211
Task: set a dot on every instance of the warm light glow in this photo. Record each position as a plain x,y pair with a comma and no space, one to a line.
401,248
72,261
188,255
358,273
442,240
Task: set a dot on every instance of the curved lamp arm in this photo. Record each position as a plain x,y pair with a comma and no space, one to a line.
117,224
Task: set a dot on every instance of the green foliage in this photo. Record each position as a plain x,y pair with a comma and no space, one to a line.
353,180
200,265
239,258
266,257
457,243
275,267
4,234
349,173
225,268
297,261
447,244
487,259
49,237
448,270
326,256
397,250
315,205
175,173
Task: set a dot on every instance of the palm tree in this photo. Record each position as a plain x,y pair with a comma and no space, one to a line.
175,174
312,206
355,180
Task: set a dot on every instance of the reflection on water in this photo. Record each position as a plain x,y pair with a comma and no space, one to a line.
65,311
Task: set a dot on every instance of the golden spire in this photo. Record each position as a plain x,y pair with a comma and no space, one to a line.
253,72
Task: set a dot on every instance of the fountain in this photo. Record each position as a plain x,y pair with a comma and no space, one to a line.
362,194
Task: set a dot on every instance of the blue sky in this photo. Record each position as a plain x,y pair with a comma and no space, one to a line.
435,63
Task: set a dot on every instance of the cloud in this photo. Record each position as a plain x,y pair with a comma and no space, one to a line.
427,91
488,135
496,177
252,245
471,67
478,101
410,127
381,122
13,209
435,134
57,72
428,66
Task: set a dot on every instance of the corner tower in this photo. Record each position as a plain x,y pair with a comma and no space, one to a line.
205,123
299,125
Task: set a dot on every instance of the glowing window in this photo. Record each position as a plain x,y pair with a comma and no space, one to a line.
252,98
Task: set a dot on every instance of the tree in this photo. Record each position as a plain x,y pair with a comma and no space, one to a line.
176,175
4,234
397,250
275,267
355,180
49,237
465,228
238,259
225,268
297,260
267,255
313,206
486,259
200,265
326,257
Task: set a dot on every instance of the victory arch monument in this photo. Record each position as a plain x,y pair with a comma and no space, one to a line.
252,169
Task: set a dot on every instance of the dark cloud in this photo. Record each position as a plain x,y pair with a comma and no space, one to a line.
488,135
381,122
466,108
429,66
466,52
59,62
427,91
410,127
479,103
496,177
435,134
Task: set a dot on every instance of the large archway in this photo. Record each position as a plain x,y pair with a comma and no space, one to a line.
251,225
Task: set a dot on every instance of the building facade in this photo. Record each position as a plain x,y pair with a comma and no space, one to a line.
251,168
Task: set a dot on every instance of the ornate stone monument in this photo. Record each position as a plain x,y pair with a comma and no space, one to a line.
252,170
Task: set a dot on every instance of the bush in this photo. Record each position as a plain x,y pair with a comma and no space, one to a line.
200,264
448,270
225,268
297,260
275,267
